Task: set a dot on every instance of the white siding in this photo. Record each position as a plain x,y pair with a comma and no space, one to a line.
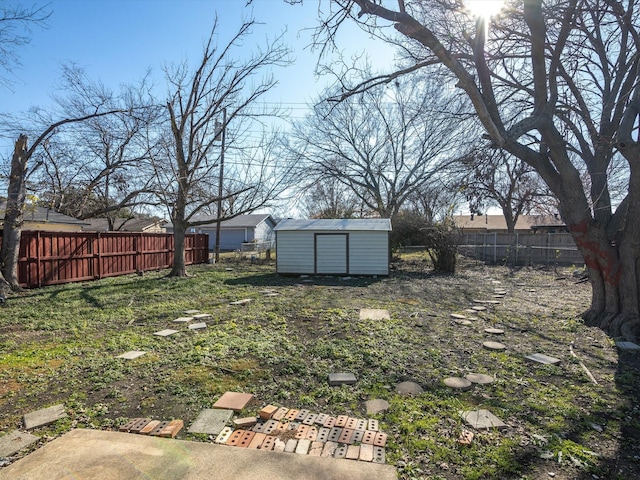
369,253
294,252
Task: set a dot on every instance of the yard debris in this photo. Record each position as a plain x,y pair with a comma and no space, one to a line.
466,437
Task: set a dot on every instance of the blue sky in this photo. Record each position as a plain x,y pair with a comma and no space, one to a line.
117,41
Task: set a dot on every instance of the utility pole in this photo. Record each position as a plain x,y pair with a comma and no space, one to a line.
222,135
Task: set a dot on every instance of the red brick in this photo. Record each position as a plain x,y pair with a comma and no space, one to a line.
312,433
172,428
353,452
246,438
233,401
334,434
310,419
257,441
245,422
366,452
329,449
379,455
316,449
341,421
369,437
235,437
321,419
330,422
149,427
301,432
269,443
351,423
302,414
291,414
380,440
345,436
267,412
373,424
280,413
156,431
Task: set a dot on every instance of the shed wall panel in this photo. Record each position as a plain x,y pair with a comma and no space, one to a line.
331,253
294,252
369,253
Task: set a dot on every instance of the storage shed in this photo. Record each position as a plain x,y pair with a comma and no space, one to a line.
333,247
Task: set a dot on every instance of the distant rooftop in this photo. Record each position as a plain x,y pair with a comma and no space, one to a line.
497,222
43,215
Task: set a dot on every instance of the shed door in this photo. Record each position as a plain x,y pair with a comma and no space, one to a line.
331,253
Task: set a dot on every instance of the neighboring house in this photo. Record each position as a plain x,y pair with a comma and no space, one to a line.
45,219
333,247
257,228
146,225
497,224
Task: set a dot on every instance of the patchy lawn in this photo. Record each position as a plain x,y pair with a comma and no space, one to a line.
58,345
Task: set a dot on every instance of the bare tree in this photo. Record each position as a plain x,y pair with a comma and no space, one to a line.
556,85
329,198
382,145
15,28
496,177
213,101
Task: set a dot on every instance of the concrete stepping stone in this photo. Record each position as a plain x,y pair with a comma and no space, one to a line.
44,416
336,379
479,308
233,401
465,323
183,319
494,331
201,316
479,378
165,333
15,441
542,358
376,406
630,346
409,388
374,314
244,301
494,345
191,312
211,421
131,354
197,326
457,316
482,419
457,383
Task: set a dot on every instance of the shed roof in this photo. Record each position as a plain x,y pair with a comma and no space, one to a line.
344,224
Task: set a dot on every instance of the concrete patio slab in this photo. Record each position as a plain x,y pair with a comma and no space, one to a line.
124,456
43,416
542,358
374,314
482,419
211,421
131,354
14,442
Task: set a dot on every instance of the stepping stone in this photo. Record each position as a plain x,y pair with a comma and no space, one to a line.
241,302
191,312
494,331
165,333
376,406
409,388
200,316
479,308
479,378
542,358
627,346
457,383
466,323
482,419
233,401
374,314
197,326
496,282
183,319
211,421
341,379
132,354
274,294
492,302
458,316
494,345
14,442
44,416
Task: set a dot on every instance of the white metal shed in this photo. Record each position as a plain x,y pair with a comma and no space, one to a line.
333,247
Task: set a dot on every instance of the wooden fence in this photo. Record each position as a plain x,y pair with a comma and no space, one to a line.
522,248
48,258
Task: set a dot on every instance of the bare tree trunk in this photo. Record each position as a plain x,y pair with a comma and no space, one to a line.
179,268
13,218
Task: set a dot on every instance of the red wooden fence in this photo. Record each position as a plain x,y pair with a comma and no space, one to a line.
48,258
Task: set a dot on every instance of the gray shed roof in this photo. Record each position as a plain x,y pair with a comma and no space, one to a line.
362,224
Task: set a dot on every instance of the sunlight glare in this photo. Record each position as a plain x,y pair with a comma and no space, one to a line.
484,8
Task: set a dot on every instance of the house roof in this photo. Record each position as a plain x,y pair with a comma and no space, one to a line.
241,221
497,222
43,215
363,224
121,224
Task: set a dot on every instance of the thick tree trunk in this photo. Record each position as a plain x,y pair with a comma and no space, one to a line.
179,268
13,217
613,272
